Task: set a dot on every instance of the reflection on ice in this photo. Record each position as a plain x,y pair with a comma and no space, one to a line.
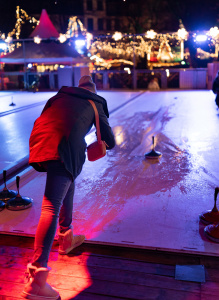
127,173
124,187
119,134
124,198
11,133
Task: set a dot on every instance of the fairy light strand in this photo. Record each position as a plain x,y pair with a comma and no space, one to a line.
115,46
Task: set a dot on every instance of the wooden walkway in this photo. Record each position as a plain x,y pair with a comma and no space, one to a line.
103,273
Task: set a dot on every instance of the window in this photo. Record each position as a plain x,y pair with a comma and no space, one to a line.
108,24
100,24
90,24
117,24
99,5
89,5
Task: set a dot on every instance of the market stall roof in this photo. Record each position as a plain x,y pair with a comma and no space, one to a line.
49,51
45,29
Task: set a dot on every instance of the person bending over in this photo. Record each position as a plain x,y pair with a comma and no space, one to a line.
57,146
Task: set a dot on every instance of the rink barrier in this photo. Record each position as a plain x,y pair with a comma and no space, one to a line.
188,78
15,168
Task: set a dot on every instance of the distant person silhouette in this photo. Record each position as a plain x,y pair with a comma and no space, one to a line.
215,89
153,84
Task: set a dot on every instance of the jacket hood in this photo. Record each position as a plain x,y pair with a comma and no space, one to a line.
85,94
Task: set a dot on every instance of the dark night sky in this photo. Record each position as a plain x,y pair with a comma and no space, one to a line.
33,8
195,14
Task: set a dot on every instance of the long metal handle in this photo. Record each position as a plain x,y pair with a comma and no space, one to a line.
17,183
153,142
4,178
215,199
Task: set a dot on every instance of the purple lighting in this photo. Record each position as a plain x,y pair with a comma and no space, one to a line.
201,38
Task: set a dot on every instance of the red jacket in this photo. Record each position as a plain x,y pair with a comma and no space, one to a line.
60,130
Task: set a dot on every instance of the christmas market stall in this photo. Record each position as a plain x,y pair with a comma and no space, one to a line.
43,52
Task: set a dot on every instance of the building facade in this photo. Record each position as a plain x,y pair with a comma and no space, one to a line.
96,19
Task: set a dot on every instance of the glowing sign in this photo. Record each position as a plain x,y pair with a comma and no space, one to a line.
201,38
79,45
3,46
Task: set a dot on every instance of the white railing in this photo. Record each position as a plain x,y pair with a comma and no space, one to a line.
110,79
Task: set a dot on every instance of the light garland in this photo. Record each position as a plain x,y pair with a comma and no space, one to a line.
62,38
182,34
214,33
117,36
75,27
21,17
151,34
107,64
37,39
117,46
140,45
165,53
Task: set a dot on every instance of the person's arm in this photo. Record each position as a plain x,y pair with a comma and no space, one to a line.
105,129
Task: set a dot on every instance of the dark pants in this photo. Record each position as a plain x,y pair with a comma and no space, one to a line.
57,207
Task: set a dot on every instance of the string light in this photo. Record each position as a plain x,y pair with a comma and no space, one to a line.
117,36
165,51
182,33
37,39
107,64
151,34
62,38
214,32
75,27
126,48
117,46
9,39
89,38
21,18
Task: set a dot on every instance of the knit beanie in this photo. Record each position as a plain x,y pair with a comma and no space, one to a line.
87,83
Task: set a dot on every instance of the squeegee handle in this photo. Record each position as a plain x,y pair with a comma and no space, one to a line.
17,183
4,177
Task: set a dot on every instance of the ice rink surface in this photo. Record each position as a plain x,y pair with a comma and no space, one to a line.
125,199
16,122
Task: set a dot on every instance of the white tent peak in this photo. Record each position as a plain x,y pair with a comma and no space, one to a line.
45,28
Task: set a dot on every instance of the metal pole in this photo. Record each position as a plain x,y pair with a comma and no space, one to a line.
25,67
182,49
217,50
134,79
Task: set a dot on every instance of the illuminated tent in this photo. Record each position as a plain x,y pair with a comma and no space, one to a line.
49,51
45,28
